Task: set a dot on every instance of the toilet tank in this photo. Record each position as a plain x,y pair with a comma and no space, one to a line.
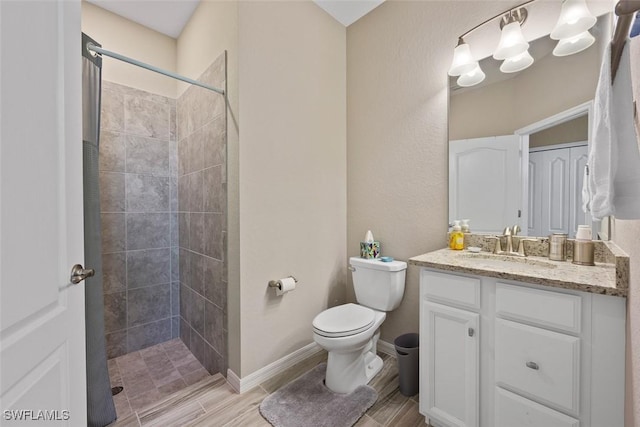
378,285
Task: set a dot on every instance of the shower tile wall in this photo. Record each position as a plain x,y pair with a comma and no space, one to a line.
138,196
202,219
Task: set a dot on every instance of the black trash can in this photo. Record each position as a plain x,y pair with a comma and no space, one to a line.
407,350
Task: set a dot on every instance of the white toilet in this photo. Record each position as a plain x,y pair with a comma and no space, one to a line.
350,332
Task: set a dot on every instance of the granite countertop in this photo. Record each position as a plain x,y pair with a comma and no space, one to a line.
603,278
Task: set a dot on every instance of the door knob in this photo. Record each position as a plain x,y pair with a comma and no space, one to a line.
79,273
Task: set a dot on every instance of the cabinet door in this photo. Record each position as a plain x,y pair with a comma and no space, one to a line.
449,364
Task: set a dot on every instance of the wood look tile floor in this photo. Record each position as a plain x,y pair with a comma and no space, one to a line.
212,402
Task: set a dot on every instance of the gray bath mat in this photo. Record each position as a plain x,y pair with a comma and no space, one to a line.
307,402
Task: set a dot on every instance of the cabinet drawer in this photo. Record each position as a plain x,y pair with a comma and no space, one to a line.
452,289
513,410
550,309
542,364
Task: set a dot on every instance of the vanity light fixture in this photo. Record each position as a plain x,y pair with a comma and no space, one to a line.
572,28
574,19
571,31
512,42
463,61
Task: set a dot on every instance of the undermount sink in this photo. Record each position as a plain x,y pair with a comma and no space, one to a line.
486,259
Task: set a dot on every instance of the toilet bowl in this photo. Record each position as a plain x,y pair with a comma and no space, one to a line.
352,359
350,332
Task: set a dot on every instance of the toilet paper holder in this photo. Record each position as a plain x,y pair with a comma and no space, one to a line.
274,283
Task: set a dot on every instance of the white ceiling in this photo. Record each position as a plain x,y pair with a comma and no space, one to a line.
348,11
170,17
166,17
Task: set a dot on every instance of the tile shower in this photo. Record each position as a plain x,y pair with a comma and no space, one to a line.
163,213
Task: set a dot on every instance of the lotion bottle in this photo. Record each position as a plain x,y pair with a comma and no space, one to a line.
456,239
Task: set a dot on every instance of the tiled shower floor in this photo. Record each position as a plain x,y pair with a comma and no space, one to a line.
153,373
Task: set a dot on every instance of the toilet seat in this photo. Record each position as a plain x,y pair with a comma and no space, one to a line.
343,320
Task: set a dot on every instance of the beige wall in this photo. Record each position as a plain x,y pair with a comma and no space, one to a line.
576,130
212,29
292,173
627,235
503,107
397,60
133,40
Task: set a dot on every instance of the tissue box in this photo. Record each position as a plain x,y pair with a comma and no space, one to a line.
369,250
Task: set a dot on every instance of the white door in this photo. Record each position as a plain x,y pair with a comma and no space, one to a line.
578,157
555,191
485,182
42,344
451,366
534,219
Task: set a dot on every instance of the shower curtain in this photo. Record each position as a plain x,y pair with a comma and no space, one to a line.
100,408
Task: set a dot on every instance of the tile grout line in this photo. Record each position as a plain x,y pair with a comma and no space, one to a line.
388,423
126,266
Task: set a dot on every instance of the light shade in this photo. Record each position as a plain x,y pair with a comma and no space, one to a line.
512,42
471,78
462,62
574,44
517,63
574,19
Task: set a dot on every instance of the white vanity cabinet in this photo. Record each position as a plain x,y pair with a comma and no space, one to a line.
449,343
508,354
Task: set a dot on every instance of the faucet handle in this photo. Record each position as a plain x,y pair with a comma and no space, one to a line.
521,250
498,246
515,230
506,232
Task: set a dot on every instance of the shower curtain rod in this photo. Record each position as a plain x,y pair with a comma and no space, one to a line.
625,9
96,49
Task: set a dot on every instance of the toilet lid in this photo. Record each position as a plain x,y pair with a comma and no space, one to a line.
343,320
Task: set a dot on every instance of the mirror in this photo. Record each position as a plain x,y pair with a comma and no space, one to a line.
518,142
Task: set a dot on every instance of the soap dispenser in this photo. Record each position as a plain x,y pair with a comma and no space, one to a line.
456,239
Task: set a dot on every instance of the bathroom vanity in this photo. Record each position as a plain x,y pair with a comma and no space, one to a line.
511,342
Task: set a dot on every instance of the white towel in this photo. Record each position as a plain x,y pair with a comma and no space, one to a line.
614,157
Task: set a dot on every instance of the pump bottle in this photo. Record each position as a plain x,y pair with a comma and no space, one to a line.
456,239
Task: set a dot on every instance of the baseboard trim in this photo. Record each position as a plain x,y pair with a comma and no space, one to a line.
242,385
386,348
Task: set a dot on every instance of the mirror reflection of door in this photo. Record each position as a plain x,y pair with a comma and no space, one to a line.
555,188
484,182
